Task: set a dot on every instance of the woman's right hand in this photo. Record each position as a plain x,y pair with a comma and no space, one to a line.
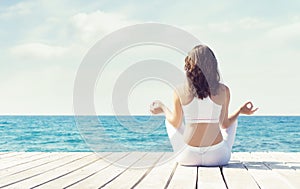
248,109
156,107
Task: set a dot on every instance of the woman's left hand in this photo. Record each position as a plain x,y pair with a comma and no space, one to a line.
156,107
248,109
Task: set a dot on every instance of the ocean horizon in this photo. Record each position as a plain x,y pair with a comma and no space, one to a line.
67,133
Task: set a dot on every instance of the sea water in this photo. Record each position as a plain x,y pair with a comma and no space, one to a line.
64,134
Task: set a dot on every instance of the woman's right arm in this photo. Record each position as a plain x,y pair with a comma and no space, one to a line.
226,120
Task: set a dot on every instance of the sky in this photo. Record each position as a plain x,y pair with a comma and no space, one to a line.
42,44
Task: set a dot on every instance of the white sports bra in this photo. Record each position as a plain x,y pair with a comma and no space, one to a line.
202,111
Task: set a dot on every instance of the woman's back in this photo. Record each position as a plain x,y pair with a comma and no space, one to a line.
202,118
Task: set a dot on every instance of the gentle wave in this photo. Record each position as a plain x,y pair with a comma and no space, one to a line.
137,133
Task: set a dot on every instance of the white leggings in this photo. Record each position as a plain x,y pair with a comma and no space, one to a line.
214,155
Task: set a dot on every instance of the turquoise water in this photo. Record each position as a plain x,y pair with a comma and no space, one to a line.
60,133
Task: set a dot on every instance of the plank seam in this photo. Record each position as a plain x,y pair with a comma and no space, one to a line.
18,154
25,162
147,172
99,158
223,177
197,174
111,163
171,176
29,156
243,163
122,172
39,165
69,172
15,182
2,153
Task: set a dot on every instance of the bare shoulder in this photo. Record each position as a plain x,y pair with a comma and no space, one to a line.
222,96
223,89
184,94
176,95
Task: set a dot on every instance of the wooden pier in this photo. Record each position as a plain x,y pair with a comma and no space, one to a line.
90,170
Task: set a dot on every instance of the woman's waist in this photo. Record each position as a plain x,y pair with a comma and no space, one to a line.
211,147
204,139
206,148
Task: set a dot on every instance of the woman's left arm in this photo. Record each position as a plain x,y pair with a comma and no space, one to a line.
175,117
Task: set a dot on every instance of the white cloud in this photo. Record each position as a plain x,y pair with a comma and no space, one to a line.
221,27
286,34
37,51
253,23
40,90
246,23
245,44
87,28
95,24
19,9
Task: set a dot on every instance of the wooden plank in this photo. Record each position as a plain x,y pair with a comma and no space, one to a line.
9,165
26,164
240,156
280,157
294,161
265,177
11,154
184,177
65,169
210,177
111,172
261,156
237,176
89,180
295,157
15,178
81,174
266,169
19,156
278,162
290,159
291,175
258,162
131,176
274,156
159,176
294,165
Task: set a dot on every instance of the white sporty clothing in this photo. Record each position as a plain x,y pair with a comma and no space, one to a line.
201,111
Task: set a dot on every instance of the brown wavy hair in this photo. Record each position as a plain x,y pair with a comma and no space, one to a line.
202,73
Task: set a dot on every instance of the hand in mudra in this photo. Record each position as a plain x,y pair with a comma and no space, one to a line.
156,107
248,109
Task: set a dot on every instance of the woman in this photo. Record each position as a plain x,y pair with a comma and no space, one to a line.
207,135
